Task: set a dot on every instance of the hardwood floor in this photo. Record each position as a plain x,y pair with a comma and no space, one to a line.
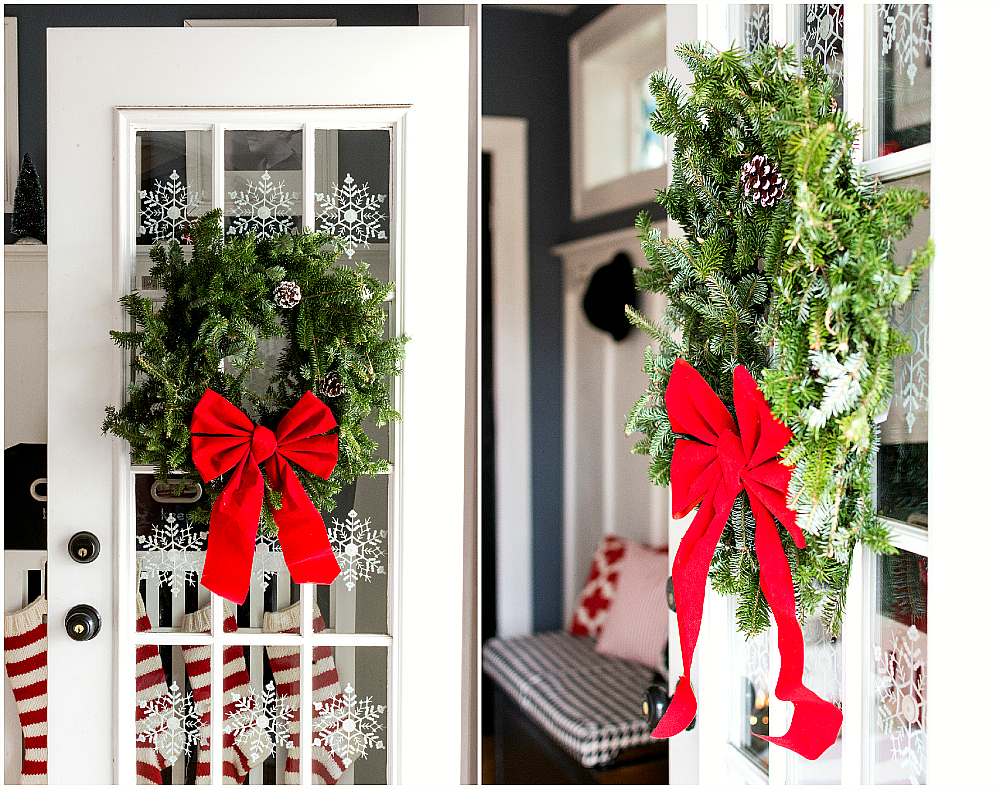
489,760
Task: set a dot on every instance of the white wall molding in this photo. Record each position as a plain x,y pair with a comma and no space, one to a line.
605,487
506,139
25,303
11,145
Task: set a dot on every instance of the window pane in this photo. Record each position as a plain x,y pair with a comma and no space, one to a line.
902,456
173,187
169,713
750,25
615,103
897,673
349,715
353,172
358,601
821,36
752,674
263,182
823,674
903,61
170,553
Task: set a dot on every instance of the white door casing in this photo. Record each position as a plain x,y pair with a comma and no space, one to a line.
506,139
418,74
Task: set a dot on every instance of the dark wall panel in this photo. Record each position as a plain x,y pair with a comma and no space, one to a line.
525,74
33,20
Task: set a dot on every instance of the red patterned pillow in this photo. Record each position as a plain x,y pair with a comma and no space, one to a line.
601,586
599,590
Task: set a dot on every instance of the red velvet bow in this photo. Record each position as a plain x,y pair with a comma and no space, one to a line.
713,471
222,437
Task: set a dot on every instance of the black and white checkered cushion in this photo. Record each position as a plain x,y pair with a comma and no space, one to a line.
590,704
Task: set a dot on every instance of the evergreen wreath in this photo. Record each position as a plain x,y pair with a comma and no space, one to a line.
220,304
784,265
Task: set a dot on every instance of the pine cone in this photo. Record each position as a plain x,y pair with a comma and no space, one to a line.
762,182
330,385
287,294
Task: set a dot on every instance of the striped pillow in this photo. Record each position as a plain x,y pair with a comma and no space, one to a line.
636,627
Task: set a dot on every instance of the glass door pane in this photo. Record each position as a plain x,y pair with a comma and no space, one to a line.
173,187
263,181
819,33
353,168
349,726
896,675
750,25
902,63
751,694
902,456
823,674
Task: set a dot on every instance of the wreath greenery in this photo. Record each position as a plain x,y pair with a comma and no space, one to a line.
222,301
798,292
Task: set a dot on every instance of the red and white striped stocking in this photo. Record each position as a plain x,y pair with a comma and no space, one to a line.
236,763
150,683
26,646
328,766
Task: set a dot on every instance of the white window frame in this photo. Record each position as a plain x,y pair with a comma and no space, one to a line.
129,122
637,187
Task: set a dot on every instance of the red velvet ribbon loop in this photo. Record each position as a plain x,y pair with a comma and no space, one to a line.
223,438
712,472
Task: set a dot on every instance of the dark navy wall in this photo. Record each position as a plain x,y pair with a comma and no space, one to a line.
525,73
33,20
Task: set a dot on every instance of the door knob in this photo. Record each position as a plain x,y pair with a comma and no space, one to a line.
84,547
83,622
655,703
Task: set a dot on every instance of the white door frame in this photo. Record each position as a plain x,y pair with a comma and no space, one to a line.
506,139
91,71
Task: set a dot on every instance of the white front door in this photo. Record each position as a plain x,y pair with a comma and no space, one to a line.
133,116
875,669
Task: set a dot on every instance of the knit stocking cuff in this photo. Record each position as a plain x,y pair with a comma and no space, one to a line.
20,622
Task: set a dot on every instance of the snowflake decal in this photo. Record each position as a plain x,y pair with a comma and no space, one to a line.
263,208
166,208
901,676
351,213
912,320
907,26
348,726
174,554
358,548
260,721
757,665
170,724
267,559
821,670
756,26
823,37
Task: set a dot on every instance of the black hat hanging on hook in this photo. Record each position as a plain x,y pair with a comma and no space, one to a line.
611,287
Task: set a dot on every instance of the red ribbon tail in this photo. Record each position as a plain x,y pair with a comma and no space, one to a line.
680,713
232,537
301,531
815,722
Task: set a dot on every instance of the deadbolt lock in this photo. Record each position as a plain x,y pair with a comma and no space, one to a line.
84,547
